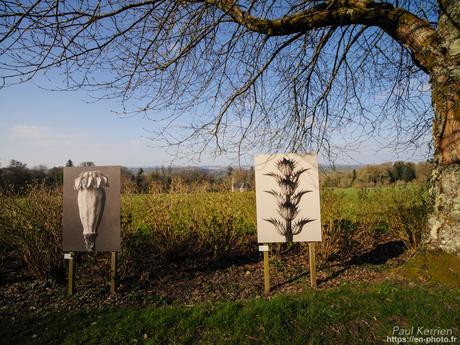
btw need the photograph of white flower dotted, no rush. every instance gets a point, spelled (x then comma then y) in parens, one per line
(91, 208)
(91, 201)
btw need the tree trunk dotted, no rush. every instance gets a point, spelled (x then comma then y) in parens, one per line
(444, 223)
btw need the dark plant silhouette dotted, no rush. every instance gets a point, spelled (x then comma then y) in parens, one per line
(288, 199)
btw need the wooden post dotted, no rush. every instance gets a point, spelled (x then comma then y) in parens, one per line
(311, 254)
(113, 273)
(71, 277)
(266, 272)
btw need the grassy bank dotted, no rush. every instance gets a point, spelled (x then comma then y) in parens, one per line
(350, 314)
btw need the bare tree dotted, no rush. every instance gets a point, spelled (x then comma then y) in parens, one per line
(279, 74)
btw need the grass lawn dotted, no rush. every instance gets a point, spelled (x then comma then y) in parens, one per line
(350, 314)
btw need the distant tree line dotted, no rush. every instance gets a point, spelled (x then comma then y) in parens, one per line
(377, 175)
(194, 179)
(17, 176)
(184, 180)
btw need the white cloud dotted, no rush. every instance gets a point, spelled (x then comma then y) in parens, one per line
(142, 141)
(30, 132)
(43, 136)
(42, 144)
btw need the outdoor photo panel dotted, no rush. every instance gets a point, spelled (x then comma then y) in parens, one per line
(91, 208)
(287, 198)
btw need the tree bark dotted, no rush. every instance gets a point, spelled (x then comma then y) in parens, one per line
(444, 222)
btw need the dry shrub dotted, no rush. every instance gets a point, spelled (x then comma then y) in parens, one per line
(223, 234)
(370, 216)
(408, 210)
(31, 224)
(155, 187)
(216, 224)
(131, 243)
(193, 224)
(335, 228)
(225, 223)
(178, 185)
(169, 224)
(355, 220)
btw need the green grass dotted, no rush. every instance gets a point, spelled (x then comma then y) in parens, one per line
(354, 197)
(350, 314)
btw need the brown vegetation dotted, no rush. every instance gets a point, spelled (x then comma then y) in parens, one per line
(218, 226)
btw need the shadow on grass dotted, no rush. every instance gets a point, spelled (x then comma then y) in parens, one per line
(378, 256)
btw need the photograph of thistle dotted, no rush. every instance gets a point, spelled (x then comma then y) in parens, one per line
(287, 198)
(91, 220)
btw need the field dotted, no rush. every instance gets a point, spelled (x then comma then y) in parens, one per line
(190, 271)
(219, 223)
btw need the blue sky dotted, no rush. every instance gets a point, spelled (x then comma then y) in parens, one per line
(44, 127)
(39, 126)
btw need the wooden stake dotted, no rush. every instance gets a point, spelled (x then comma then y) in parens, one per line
(113, 273)
(266, 273)
(71, 278)
(311, 254)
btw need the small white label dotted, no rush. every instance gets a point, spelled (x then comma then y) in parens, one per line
(263, 248)
(68, 256)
